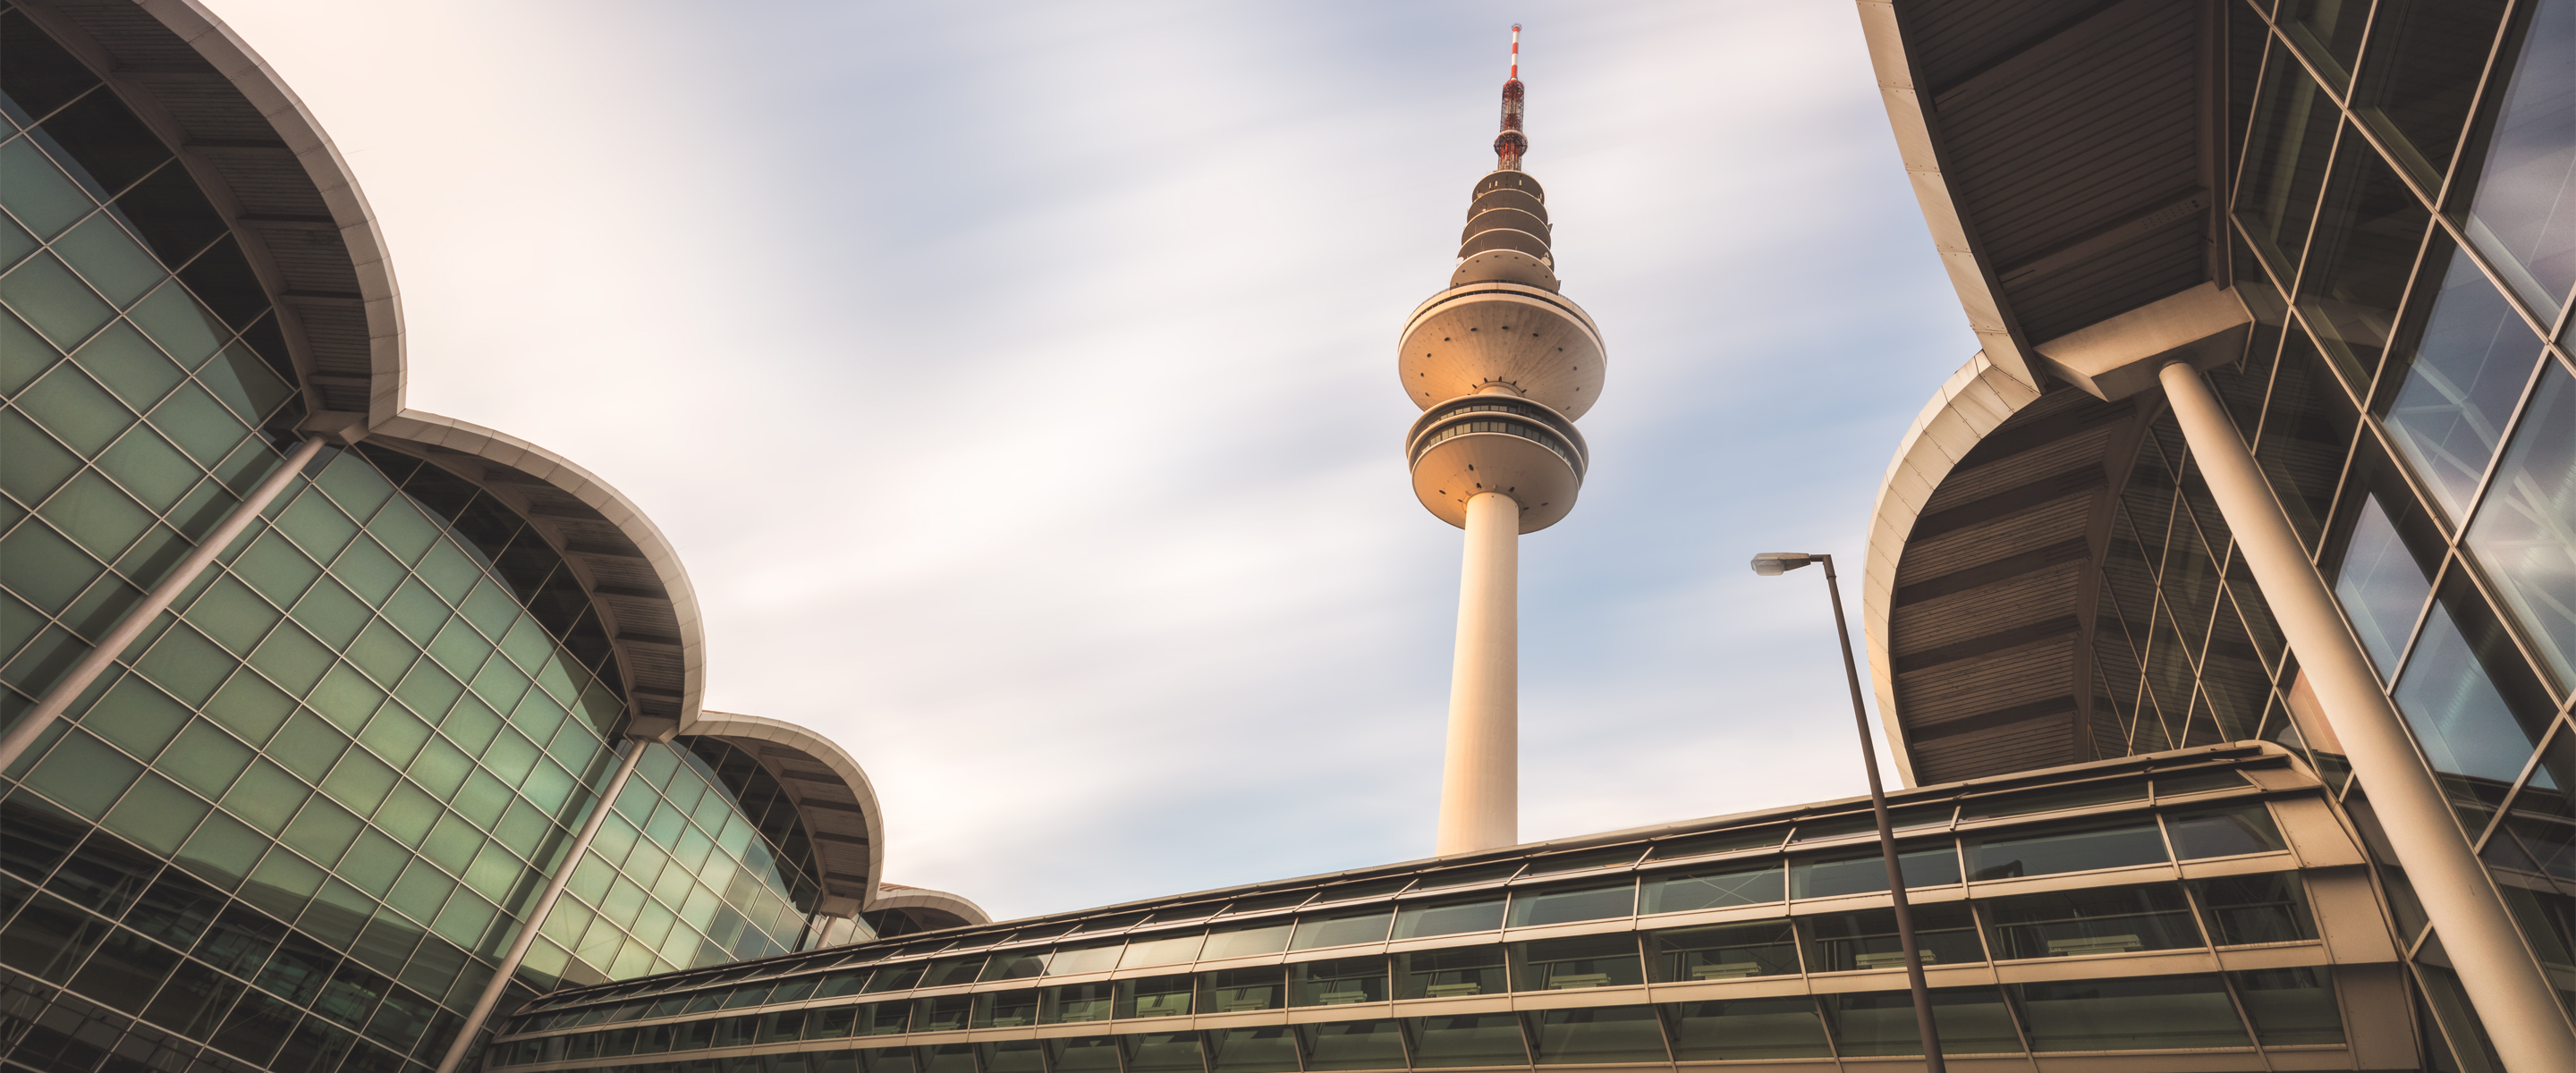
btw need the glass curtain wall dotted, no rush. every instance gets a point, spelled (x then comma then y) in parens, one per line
(2405, 209)
(296, 823)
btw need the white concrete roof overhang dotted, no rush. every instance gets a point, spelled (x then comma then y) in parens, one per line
(308, 232)
(2067, 168)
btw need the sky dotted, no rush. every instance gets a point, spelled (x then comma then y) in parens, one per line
(1017, 383)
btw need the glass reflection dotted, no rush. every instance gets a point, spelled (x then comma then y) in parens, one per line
(2521, 214)
(2285, 162)
(2381, 588)
(2468, 370)
(2358, 263)
(2525, 532)
(2451, 695)
(2421, 74)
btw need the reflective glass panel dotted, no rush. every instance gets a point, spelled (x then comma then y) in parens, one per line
(1013, 1056)
(1599, 1034)
(2466, 369)
(1492, 1039)
(2265, 907)
(1245, 941)
(2079, 846)
(1564, 905)
(1156, 996)
(1353, 1045)
(2420, 74)
(2381, 586)
(2520, 212)
(1337, 982)
(2290, 1007)
(1242, 990)
(1342, 929)
(1970, 1020)
(1083, 1054)
(2104, 920)
(1473, 970)
(1253, 1050)
(1579, 962)
(1725, 951)
(2223, 831)
(1751, 1028)
(1864, 871)
(1006, 1009)
(1067, 1003)
(2358, 263)
(1742, 883)
(1161, 1052)
(2525, 533)
(2462, 701)
(1452, 916)
(1946, 933)
(2139, 1013)
(2285, 163)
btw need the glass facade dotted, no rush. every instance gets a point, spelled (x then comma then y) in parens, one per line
(2406, 234)
(297, 823)
(1651, 950)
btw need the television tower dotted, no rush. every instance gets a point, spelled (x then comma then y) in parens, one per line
(1501, 365)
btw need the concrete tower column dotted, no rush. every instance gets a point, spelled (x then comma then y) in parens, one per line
(2514, 1000)
(1480, 781)
(1501, 365)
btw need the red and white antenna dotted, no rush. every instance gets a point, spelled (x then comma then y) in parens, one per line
(1511, 144)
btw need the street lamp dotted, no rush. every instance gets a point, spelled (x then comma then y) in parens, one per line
(1774, 564)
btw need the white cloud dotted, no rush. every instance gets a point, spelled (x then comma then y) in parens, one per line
(1015, 382)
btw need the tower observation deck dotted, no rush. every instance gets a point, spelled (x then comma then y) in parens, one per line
(1501, 365)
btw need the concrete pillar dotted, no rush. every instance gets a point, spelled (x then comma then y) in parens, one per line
(633, 750)
(1480, 780)
(51, 706)
(2513, 999)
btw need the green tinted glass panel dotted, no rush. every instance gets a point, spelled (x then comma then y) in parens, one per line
(76, 409)
(129, 365)
(110, 259)
(46, 293)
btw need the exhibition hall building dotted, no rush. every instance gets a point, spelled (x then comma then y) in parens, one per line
(2219, 614)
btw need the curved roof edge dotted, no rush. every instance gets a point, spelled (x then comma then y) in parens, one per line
(1976, 399)
(954, 911)
(1980, 294)
(833, 798)
(629, 566)
(314, 305)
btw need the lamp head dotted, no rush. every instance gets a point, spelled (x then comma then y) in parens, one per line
(1776, 563)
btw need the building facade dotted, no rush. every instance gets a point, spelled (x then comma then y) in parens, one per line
(2195, 909)
(2221, 611)
(2059, 571)
(302, 818)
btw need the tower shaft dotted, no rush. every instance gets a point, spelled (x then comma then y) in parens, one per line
(1480, 781)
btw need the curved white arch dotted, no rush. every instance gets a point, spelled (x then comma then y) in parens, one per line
(1976, 399)
(832, 796)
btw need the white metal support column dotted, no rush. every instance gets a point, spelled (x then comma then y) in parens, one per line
(2514, 1000)
(1480, 776)
(630, 751)
(52, 705)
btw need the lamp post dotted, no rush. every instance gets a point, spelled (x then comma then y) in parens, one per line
(1773, 564)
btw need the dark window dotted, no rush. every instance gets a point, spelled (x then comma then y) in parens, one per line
(946, 1013)
(1155, 996)
(1450, 916)
(2067, 847)
(1251, 1050)
(2106, 920)
(1492, 1039)
(1725, 951)
(1970, 1020)
(2138, 1013)
(1598, 900)
(1750, 1028)
(1070, 1003)
(1473, 970)
(1239, 990)
(1337, 981)
(2268, 907)
(1342, 929)
(1864, 871)
(1353, 1045)
(1579, 962)
(1599, 1035)
(1006, 1009)
(2224, 831)
(2290, 1007)
(1714, 887)
(1839, 942)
